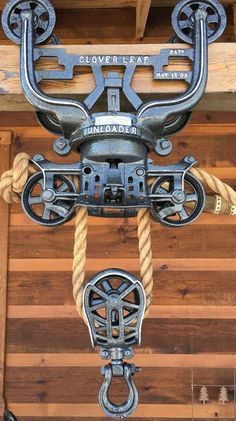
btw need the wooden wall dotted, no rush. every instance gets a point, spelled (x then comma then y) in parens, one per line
(189, 336)
(52, 373)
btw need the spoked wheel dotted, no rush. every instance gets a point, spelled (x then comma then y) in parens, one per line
(176, 123)
(114, 303)
(183, 207)
(9, 416)
(183, 19)
(49, 122)
(44, 19)
(39, 204)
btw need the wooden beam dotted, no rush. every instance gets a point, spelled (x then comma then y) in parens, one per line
(219, 93)
(107, 4)
(234, 18)
(172, 411)
(5, 145)
(175, 264)
(142, 360)
(86, 4)
(142, 11)
(156, 312)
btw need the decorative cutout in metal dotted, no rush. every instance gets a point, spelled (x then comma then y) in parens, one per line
(114, 304)
(115, 175)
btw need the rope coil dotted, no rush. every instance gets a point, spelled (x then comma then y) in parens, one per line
(12, 183)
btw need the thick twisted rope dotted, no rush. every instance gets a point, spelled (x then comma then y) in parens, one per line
(215, 185)
(80, 246)
(145, 254)
(12, 183)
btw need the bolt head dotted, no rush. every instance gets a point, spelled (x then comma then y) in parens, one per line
(140, 172)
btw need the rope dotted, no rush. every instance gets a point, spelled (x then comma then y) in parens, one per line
(145, 254)
(80, 245)
(215, 185)
(12, 183)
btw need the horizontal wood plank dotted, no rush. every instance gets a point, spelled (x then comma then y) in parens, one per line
(156, 312)
(171, 288)
(204, 361)
(178, 336)
(179, 264)
(192, 241)
(219, 90)
(24, 385)
(143, 411)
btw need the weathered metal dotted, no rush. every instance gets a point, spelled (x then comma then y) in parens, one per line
(114, 145)
(114, 305)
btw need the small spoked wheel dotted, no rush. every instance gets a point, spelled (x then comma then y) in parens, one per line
(180, 208)
(49, 122)
(41, 208)
(44, 19)
(176, 123)
(183, 19)
(9, 416)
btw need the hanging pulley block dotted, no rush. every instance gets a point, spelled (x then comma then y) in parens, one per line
(114, 305)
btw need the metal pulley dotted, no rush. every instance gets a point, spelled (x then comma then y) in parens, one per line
(114, 170)
(114, 305)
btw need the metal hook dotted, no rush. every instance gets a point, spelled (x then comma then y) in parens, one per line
(126, 408)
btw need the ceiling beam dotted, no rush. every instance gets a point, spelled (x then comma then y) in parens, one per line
(142, 11)
(219, 94)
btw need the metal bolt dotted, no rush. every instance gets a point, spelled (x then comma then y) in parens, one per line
(61, 143)
(178, 196)
(104, 354)
(128, 353)
(165, 144)
(163, 147)
(140, 172)
(48, 195)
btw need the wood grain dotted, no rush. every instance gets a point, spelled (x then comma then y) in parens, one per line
(220, 88)
(203, 361)
(5, 144)
(171, 288)
(192, 241)
(143, 411)
(178, 336)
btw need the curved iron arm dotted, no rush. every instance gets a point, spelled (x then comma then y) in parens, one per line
(70, 113)
(155, 113)
(126, 408)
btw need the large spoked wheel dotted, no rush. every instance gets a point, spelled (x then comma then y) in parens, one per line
(49, 122)
(168, 212)
(37, 204)
(114, 301)
(176, 123)
(183, 19)
(44, 19)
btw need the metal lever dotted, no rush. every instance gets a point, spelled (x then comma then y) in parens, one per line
(114, 305)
